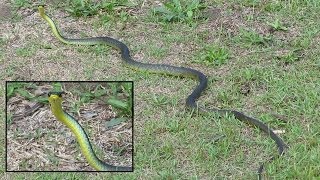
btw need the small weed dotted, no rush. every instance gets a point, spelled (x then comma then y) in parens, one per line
(18, 87)
(23, 163)
(23, 89)
(26, 51)
(79, 8)
(84, 8)
(175, 10)
(113, 5)
(115, 121)
(118, 104)
(123, 16)
(2, 41)
(11, 88)
(57, 86)
(166, 151)
(223, 97)
(114, 89)
(123, 104)
(289, 57)
(86, 96)
(160, 100)
(301, 43)
(250, 38)
(214, 55)
(51, 157)
(21, 3)
(9, 119)
(114, 11)
(250, 3)
(175, 126)
(273, 6)
(277, 26)
(248, 74)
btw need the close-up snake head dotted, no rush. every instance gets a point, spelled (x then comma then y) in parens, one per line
(55, 99)
(41, 10)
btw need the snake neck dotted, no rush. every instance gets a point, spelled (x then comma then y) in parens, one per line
(54, 28)
(58, 113)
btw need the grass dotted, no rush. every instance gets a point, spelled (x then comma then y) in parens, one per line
(21, 3)
(278, 26)
(213, 55)
(182, 11)
(271, 72)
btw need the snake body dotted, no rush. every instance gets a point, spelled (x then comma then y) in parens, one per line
(55, 100)
(172, 70)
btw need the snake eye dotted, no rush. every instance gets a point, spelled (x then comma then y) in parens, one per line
(60, 94)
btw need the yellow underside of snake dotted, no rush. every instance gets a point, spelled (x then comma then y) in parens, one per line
(156, 68)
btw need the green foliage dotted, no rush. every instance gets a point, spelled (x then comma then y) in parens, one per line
(122, 16)
(301, 43)
(118, 104)
(214, 55)
(224, 97)
(84, 8)
(273, 6)
(112, 5)
(115, 121)
(124, 103)
(20, 88)
(248, 74)
(249, 38)
(289, 57)
(249, 3)
(114, 11)
(182, 11)
(86, 95)
(23, 89)
(21, 3)
(160, 100)
(12, 88)
(26, 51)
(57, 86)
(278, 26)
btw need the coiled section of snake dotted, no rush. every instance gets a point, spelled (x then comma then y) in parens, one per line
(172, 70)
(55, 100)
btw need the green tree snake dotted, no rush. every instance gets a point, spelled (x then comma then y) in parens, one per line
(55, 101)
(162, 68)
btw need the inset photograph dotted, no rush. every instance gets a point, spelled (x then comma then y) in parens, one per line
(69, 126)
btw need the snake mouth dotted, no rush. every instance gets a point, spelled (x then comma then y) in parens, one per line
(58, 93)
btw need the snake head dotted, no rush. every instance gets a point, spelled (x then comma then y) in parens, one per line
(55, 100)
(57, 93)
(41, 10)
